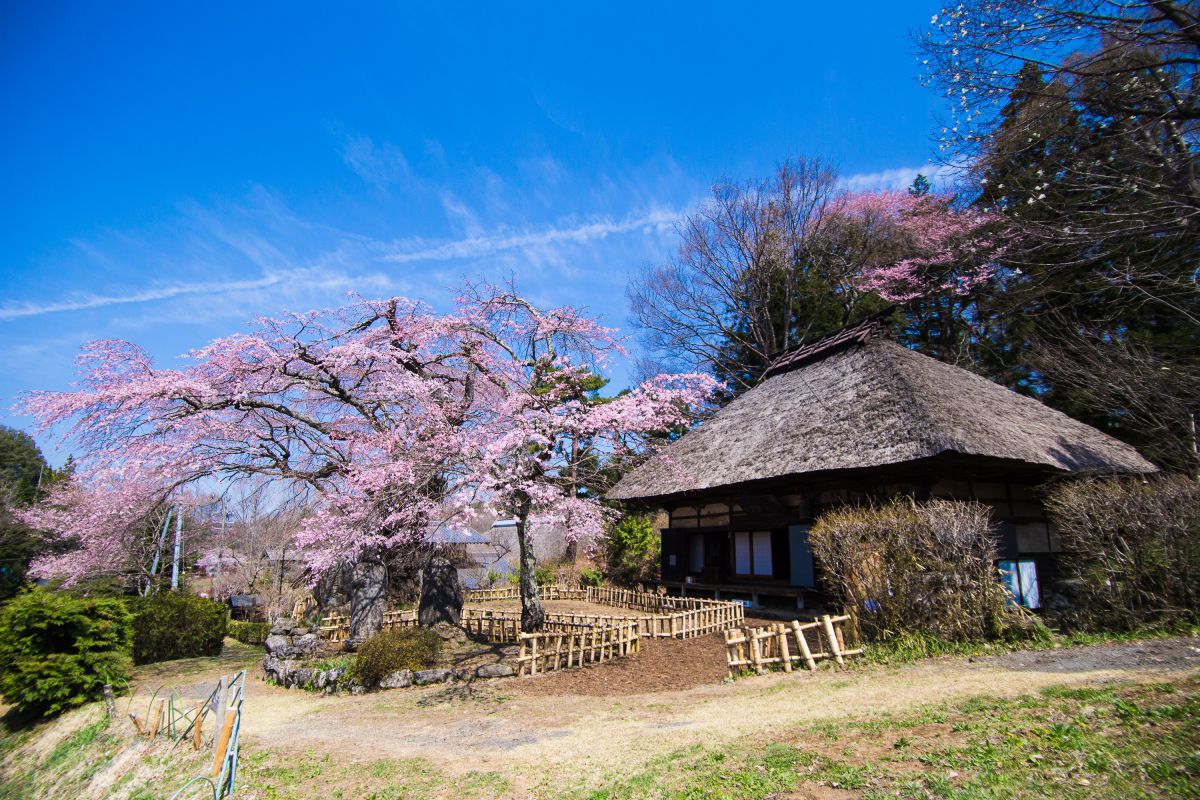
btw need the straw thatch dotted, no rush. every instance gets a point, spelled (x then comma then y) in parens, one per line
(858, 400)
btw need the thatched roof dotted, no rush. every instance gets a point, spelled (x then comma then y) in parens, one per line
(856, 399)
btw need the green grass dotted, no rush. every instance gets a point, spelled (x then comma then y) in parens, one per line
(271, 777)
(1117, 743)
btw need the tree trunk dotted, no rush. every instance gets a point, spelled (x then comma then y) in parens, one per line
(532, 614)
(368, 590)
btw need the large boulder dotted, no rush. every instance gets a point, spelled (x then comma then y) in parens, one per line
(441, 593)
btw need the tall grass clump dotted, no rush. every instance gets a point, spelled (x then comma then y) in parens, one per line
(918, 569)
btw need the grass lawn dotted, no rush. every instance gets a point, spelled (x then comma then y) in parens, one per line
(1110, 742)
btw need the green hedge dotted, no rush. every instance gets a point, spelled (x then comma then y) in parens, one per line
(169, 626)
(249, 632)
(57, 650)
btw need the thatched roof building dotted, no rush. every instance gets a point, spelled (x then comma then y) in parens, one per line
(857, 400)
(857, 415)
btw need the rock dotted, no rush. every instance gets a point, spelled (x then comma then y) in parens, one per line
(464, 674)
(451, 635)
(426, 676)
(308, 644)
(334, 675)
(279, 669)
(358, 688)
(280, 646)
(399, 679)
(303, 677)
(494, 671)
(284, 626)
(510, 651)
(368, 593)
(441, 593)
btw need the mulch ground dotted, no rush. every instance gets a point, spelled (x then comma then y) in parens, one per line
(663, 665)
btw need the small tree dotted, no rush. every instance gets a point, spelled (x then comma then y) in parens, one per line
(529, 464)
(57, 651)
(631, 550)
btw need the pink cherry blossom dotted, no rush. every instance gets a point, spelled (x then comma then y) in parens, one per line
(391, 416)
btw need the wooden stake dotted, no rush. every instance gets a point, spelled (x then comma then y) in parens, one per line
(833, 639)
(197, 724)
(802, 643)
(158, 713)
(784, 653)
(223, 743)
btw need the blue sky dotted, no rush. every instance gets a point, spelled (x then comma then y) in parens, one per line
(170, 170)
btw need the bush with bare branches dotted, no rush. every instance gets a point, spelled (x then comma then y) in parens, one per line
(910, 567)
(1133, 549)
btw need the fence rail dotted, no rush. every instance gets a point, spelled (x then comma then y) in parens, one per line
(672, 617)
(551, 592)
(784, 642)
(575, 646)
(502, 626)
(336, 627)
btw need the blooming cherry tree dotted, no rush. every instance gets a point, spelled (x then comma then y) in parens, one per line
(392, 416)
(903, 246)
(531, 452)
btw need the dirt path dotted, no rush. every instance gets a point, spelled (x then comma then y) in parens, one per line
(561, 725)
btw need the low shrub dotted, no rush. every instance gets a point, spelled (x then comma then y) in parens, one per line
(1131, 550)
(395, 649)
(911, 567)
(169, 626)
(248, 632)
(590, 577)
(57, 650)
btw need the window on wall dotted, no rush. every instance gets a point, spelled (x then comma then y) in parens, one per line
(1020, 578)
(752, 553)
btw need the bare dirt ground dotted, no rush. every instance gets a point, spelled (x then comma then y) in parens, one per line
(594, 721)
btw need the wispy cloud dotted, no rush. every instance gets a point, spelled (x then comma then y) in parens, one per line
(377, 164)
(482, 246)
(290, 279)
(898, 178)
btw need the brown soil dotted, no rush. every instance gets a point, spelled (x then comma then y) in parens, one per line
(662, 665)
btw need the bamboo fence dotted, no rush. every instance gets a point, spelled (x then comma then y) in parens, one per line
(504, 626)
(784, 642)
(672, 617)
(574, 646)
(551, 592)
(336, 627)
